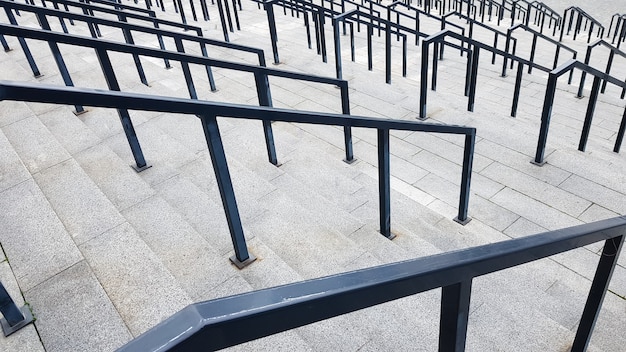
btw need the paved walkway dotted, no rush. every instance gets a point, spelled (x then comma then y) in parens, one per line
(102, 253)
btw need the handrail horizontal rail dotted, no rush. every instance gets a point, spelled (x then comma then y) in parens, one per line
(228, 321)
(581, 15)
(129, 14)
(604, 43)
(441, 35)
(134, 27)
(158, 53)
(542, 36)
(421, 13)
(43, 93)
(586, 15)
(473, 21)
(116, 5)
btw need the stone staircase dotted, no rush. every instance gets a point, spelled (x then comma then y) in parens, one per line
(102, 253)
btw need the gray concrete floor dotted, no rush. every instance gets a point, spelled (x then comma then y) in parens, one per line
(102, 253)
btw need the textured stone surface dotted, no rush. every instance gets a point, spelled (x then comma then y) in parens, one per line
(139, 285)
(314, 215)
(35, 145)
(80, 205)
(33, 237)
(93, 325)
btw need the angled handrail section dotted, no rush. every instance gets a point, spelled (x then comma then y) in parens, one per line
(541, 12)
(228, 321)
(473, 49)
(580, 15)
(609, 64)
(129, 28)
(537, 35)
(371, 22)
(208, 113)
(473, 22)
(548, 103)
(619, 32)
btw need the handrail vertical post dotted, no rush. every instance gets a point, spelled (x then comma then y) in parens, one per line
(127, 124)
(468, 72)
(220, 10)
(220, 166)
(209, 72)
(307, 26)
(322, 34)
(546, 113)
(532, 53)
(58, 58)
(347, 131)
(424, 80)
(265, 99)
(433, 77)
(518, 86)
(384, 183)
(404, 54)
(183, 18)
(591, 106)
(507, 45)
(455, 303)
(388, 53)
(466, 178)
(271, 22)
(128, 38)
(583, 74)
(338, 68)
(620, 133)
(473, 79)
(24, 45)
(4, 43)
(352, 52)
(370, 33)
(186, 71)
(599, 286)
(609, 63)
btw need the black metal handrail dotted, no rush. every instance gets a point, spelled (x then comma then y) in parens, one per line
(473, 49)
(517, 10)
(118, 5)
(226, 19)
(537, 35)
(487, 6)
(318, 13)
(580, 16)
(620, 32)
(103, 9)
(371, 22)
(209, 111)
(541, 12)
(261, 76)
(548, 103)
(419, 13)
(472, 22)
(229, 321)
(609, 64)
(129, 28)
